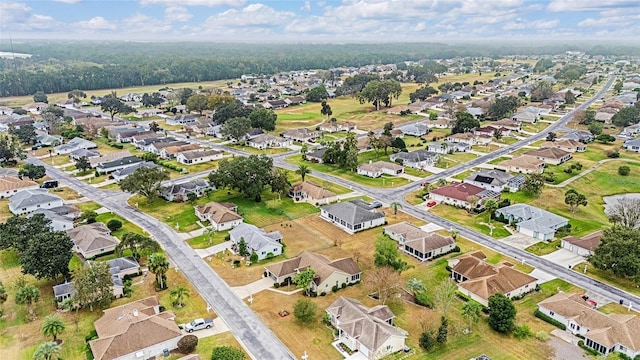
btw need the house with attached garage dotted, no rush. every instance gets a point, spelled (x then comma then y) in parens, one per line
(470, 138)
(446, 147)
(632, 145)
(510, 124)
(122, 174)
(369, 331)
(10, 185)
(316, 156)
(265, 141)
(170, 152)
(186, 119)
(62, 217)
(579, 135)
(119, 164)
(97, 160)
(30, 200)
(414, 129)
(301, 135)
(376, 169)
(583, 246)
(459, 194)
(310, 192)
(567, 145)
(352, 216)
(91, 240)
(605, 333)
(631, 130)
(419, 159)
(532, 221)
(198, 156)
(328, 273)
(524, 164)
(83, 153)
(479, 279)
(260, 242)
(418, 243)
(138, 330)
(180, 191)
(74, 144)
(528, 115)
(332, 127)
(550, 156)
(495, 180)
(221, 216)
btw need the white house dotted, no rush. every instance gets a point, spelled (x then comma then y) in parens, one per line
(30, 200)
(418, 243)
(74, 144)
(221, 216)
(419, 159)
(495, 180)
(376, 169)
(532, 221)
(352, 216)
(11, 185)
(632, 145)
(198, 156)
(264, 141)
(258, 241)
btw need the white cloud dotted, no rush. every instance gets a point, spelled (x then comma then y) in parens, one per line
(41, 22)
(140, 23)
(589, 5)
(545, 24)
(607, 21)
(306, 7)
(96, 23)
(14, 12)
(254, 15)
(521, 24)
(177, 13)
(209, 3)
(68, 1)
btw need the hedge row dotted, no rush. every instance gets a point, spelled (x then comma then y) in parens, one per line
(542, 316)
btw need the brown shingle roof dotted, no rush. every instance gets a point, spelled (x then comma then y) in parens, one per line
(313, 190)
(589, 242)
(219, 212)
(548, 153)
(406, 230)
(14, 183)
(321, 265)
(430, 242)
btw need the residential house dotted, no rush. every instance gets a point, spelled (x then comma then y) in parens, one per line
(328, 273)
(199, 156)
(480, 280)
(579, 135)
(181, 191)
(136, 330)
(119, 164)
(551, 156)
(301, 135)
(376, 169)
(185, 119)
(418, 243)
(221, 216)
(352, 216)
(156, 147)
(414, 129)
(632, 145)
(316, 155)
(396, 133)
(459, 194)
(631, 130)
(91, 240)
(275, 104)
(583, 246)
(602, 332)
(446, 147)
(10, 185)
(310, 192)
(532, 221)
(369, 331)
(123, 266)
(265, 141)
(567, 145)
(440, 123)
(510, 124)
(74, 144)
(170, 152)
(141, 138)
(48, 140)
(122, 174)
(265, 245)
(295, 100)
(126, 134)
(63, 291)
(8, 172)
(470, 138)
(35, 108)
(495, 180)
(95, 161)
(524, 164)
(419, 159)
(30, 200)
(83, 153)
(489, 131)
(604, 117)
(61, 218)
(332, 127)
(529, 115)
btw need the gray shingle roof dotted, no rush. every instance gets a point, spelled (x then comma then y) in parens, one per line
(415, 156)
(255, 237)
(533, 218)
(29, 197)
(353, 212)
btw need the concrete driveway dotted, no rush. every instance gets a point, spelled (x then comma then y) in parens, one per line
(542, 276)
(253, 288)
(431, 227)
(519, 241)
(218, 327)
(564, 258)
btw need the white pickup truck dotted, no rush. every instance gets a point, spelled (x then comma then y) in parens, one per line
(199, 324)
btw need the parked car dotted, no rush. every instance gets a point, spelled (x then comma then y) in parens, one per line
(376, 204)
(199, 324)
(431, 203)
(49, 184)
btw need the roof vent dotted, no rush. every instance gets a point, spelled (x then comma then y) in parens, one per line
(135, 312)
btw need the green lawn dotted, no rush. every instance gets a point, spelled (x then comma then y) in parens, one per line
(535, 128)
(417, 172)
(544, 248)
(127, 226)
(462, 217)
(498, 160)
(459, 158)
(252, 150)
(204, 241)
(383, 181)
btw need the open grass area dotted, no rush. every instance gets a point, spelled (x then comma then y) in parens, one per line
(498, 160)
(205, 240)
(4, 210)
(252, 150)
(415, 197)
(459, 158)
(543, 247)
(383, 181)
(609, 278)
(475, 222)
(127, 226)
(486, 148)
(463, 175)
(535, 128)
(437, 134)
(65, 193)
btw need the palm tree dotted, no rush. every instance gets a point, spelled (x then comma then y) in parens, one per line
(70, 305)
(52, 326)
(471, 311)
(303, 150)
(490, 206)
(211, 231)
(27, 295)
(303, 170)
(415, 285)
(395, 206)
(158, 265)
(47, 351)
(454, 233)
(178, 294)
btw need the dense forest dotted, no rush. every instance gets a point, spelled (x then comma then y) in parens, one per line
(64, 66)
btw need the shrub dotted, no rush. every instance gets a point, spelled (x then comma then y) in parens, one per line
(427, 340)
(116, 145)
(334, 288)
(114, 225)
(542, 316)
(92, 336)
(624, 170)
(326, 319)
(456, 249)
(522, 332)
(422, 298)
(187, 344)
(323, 293)
(304, 310)
(542, 335)
(270, 255)
(227, 353)
(276, 285)
(253, 257)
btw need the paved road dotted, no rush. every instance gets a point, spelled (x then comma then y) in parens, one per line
(251, 332)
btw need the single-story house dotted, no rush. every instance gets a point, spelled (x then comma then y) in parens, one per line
(136, 330)
(631, 130)
(258, 241)
(532, 221)
(419, 159)
(332, 127)
(579, 135)
(221, 216)
(315, 156)
(170, 152)
(95, 161)
(10, 185)
(632, 145)
(311, 192)
(510, 124)
(524, 164)
(446, 147)
(370, 331)
(479, 279)
(122, 174)
(48, 140)
(180, 191)
(186, 119)
(265, 141)
(376, 169)
(529, 115)
(414, 129)
(301, 135)
(458, 194)
(156, 147)
(91, 240)
(62, 218)
(551, 156)
(567, 145)
(275, 104)
(119, 164)
(74, 144)
(582, 245)
(604, 117)
(418, 243)
(352, 216)
(83, 153)
(441, 123)
(30, 200)
(198, 156)
(8, 172)
(328, 272)
(602, 332)
(495, 180)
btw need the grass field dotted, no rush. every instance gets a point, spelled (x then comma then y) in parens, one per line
(544, 248)
(475, 222)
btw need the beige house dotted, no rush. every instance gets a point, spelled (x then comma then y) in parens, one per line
(198, 156)
(479, 279)
(311, 192)
(550, 156)
(370, 331)
(567, 145)
(332, 127)
(92, 240)
(376, 169)
(584, 245)
(524, 164)
(137, 330)
(221, 216)
(329, 273)
(10, 185)
(418, 243)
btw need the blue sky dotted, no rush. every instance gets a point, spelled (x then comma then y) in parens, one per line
(320, 21)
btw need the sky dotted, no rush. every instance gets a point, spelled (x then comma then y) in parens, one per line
(320, 21)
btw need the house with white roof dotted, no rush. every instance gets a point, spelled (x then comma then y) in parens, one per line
(74, 144)
(352, 216)
(30, 200)
(258, 241)
(532, 221)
